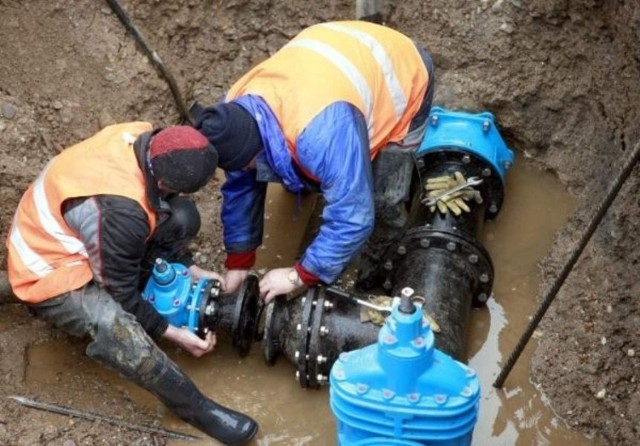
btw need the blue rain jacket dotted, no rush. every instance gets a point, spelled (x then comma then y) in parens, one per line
(334, 148)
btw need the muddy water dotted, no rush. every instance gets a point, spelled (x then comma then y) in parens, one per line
(535, 208)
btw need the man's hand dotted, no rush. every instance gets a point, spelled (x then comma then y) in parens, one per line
(198, 273)
(279, 281)
(190, 342)
(234, 278)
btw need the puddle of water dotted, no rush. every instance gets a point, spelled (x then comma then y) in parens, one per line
(535, 207)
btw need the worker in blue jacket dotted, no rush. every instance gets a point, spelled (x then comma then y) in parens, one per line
(337, 110)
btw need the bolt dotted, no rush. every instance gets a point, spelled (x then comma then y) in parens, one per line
(486, 125)
(388, 394)
(388, 265)
(473, 258)
(467, 392)
(298, 327)
(466, 159)
(402, 250)
(493, 208)
(506, 165)
(361, 388)
(387, 284)
(420, 163)
(324, 331)
(297, 375)
(425, 243)
(440, 399)
(322, 379)
(486, 172)
(407, 292)
(434, 120)
(390, 339)
(321, 359)
(451, 246)
(296, 355)
(176, 303)
(482, 297)
(209, 310)
(303, 300)
(328, 305)
(484, 277)
(413, 397)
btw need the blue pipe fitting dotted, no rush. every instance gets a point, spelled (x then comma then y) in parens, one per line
(473, 133)
(403, 391)
(171, 292)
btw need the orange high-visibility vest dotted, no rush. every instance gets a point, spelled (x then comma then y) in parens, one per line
(375, 68)
(45, 257)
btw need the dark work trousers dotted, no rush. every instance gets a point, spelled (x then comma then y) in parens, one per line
(118, 341)
(392, 171)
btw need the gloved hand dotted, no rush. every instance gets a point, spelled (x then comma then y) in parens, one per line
(456, 202)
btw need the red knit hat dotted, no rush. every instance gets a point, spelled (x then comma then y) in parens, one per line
(182, 158)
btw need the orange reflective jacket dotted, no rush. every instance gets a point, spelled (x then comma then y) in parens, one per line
(375, 68)
(45, 257)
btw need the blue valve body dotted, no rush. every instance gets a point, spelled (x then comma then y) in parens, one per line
(475, 133)
(403, 391)
(171, 291)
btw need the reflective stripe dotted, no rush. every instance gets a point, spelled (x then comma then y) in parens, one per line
(70, 243)
(347, 68)
(128, 138)
(36, 264)
(386, 65)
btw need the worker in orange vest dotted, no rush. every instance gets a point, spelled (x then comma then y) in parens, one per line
(339, 110)
(82, 244)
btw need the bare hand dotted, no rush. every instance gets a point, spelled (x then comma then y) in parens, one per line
(234, 278)
(277, 282)
(189, 341)
(198, 273)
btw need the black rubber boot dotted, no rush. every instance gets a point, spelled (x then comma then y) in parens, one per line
(120, 343)
(183, 398)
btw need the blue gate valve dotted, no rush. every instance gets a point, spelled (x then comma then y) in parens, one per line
(403, 391)
(199, 305)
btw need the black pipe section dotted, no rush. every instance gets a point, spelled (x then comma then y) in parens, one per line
(312, 331)
(439, 258)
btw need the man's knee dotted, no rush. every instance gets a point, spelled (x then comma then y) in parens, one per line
(119, 339)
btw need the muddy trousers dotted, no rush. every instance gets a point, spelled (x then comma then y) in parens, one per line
(119, 342)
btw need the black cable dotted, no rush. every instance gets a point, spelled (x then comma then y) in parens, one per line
(153, 57)
(568, 266)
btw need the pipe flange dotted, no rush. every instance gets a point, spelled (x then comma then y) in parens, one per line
(245, 315)
(270, 343)
(318, 332)
(304, 328)
(470, 251)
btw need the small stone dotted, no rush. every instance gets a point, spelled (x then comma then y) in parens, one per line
(601, 394)
(57, 105)
(506, 28)
(631, 352)
(8, 110)
(69, 443)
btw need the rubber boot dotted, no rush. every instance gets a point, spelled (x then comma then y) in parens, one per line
(183, 398)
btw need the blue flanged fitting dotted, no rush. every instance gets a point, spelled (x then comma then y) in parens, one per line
(403, 391)
(473, 133)
(171, 292)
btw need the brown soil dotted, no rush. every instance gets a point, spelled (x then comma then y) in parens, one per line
(560, 76)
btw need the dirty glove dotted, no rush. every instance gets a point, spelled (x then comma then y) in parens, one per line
(455, 202)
